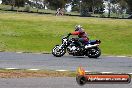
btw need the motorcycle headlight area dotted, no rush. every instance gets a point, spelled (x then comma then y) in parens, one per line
(64, 41)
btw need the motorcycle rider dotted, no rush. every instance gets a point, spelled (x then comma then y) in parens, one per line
(81, 34)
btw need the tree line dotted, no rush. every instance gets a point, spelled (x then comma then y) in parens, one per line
(83, 6)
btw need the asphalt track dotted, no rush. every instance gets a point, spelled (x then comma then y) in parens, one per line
(47, 61)
(53, 83)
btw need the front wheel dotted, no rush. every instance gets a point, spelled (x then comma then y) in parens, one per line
(56, 51)
(94, 52)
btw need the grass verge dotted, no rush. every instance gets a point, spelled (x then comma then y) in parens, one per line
(29, 74)
(40, 73)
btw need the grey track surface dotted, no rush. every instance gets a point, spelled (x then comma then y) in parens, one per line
(53, 83)
(47, 61)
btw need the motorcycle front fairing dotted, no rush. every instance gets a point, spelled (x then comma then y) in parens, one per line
(76, 48)
(92, 42)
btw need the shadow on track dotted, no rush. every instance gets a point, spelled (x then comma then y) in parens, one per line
(78, 57)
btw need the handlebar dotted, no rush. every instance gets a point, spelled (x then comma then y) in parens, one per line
(68, 36)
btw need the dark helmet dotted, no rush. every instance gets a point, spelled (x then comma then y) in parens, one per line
(77, 27)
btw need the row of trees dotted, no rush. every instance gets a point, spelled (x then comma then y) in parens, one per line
(17, 3)
(83, 6)
(129, 3)
(77, 5)
(92, 5)
(119, 7)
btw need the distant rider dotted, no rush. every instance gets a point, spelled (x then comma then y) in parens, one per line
(81, 34)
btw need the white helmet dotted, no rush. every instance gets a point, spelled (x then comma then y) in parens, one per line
(77, 27)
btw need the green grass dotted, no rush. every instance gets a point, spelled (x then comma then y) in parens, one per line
(39, 33)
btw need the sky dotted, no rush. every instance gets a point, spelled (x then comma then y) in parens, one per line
(0, 1)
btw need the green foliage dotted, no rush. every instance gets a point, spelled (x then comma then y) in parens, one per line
(17, 3)
(27, 8)
(91, 6)
(123, 3)
(75, 8)
(55, 4)
(75, 5)
(20, 3)
(129, 2)
(92, 3)
(87, 5)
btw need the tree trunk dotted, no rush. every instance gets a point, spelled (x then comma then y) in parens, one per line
(37, 10)
(17, 9)
(93, 6)
(109, 10)
(109, 13)
(93, 9)
(12, 7)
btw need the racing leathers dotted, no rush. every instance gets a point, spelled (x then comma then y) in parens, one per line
(82, 35)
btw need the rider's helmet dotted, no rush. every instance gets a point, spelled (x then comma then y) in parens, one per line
(78, 27)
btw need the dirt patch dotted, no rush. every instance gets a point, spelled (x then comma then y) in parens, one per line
(28, 74)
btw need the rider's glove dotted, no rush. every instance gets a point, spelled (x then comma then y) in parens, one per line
(69, 34)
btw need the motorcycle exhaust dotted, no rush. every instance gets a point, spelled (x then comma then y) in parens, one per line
(90, 46)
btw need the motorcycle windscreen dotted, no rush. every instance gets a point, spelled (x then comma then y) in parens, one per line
(92, 42)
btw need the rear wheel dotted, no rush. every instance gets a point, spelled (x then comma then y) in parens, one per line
(56, 51)
(94, 52)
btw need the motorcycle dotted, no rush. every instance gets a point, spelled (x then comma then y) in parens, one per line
(76, 48)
